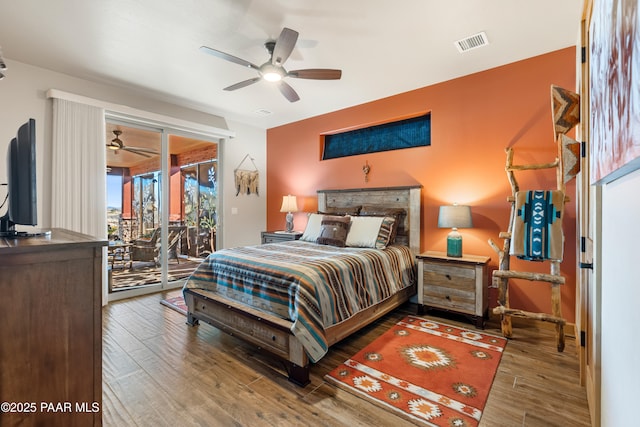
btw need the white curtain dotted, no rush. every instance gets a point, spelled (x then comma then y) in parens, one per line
(78, 199)
(79, 176)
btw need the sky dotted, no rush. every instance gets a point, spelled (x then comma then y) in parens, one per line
(114, 191)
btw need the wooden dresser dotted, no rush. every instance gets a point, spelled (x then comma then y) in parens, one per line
(457, 284)
(51, 330)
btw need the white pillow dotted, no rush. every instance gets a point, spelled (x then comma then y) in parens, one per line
(313, 229)
(364, 231)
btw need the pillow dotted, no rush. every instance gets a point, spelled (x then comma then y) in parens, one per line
(396, 213)
(370, 232)
(333, 230)
(387, 233)
(312, 230)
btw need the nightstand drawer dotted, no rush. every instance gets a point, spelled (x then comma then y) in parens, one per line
(277, 237)
(450, 287)
(451, 298)
(453, 284)
(445, 275)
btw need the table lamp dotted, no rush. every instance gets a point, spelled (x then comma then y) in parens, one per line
(454, 217)
(289, 205)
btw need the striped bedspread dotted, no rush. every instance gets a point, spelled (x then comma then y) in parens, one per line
(314, 286)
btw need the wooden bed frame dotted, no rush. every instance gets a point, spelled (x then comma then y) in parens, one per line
(272, 333)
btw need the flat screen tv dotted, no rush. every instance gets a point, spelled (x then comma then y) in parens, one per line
(21, 199)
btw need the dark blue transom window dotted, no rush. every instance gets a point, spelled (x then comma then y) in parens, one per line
(407, 133)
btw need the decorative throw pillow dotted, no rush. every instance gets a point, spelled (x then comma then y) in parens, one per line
(398, 214)
(386, 234)
(333, 230)
(370, 232)
(312, 230)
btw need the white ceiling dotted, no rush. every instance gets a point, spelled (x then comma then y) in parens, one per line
(384, 47)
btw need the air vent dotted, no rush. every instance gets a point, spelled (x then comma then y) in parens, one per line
(262, 112)
(472, 42)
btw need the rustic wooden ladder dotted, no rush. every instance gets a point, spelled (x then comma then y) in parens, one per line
(504, 273)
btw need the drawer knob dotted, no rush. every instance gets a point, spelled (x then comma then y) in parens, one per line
(448, 276)
(448, 298)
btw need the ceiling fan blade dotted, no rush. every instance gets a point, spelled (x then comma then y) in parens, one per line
(288, 91)
(316, 74)
(135, 151)
(284, 46)
(228, 57)
(142, 149)
(243, 84)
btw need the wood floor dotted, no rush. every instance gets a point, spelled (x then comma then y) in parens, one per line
(157, 371)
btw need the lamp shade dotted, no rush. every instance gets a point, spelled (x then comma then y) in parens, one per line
(289, 204)
(455, 216)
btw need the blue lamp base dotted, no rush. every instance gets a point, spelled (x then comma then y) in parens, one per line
(454, 244)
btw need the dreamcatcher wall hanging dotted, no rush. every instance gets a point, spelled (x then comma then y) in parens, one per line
(246, 181)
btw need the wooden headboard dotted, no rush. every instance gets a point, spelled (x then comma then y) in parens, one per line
(405, 198)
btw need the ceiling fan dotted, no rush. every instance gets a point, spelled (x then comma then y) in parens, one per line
(273, 70)
(116, 144)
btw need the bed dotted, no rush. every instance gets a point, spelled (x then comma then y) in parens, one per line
(295, 299)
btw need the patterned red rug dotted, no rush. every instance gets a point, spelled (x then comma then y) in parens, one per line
(175, 303)
(427, 372)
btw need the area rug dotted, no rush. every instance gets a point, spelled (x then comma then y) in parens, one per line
(175, 303)
(427, 372)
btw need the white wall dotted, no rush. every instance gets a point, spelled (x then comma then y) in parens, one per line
(620, 264)
(22, 96)
(244, 216)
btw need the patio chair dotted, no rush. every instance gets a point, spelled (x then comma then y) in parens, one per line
(148, 250)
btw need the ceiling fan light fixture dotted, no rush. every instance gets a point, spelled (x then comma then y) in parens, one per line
(272, 77)
(113, 147)
(271, 73)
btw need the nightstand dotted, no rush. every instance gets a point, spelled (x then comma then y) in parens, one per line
(279, 236)
(456, 284)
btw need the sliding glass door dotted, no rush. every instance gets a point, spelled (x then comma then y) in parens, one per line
(200, 198)
(166, 221)
(146, 202)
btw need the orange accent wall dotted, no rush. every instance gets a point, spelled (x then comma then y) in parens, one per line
(473, 119)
